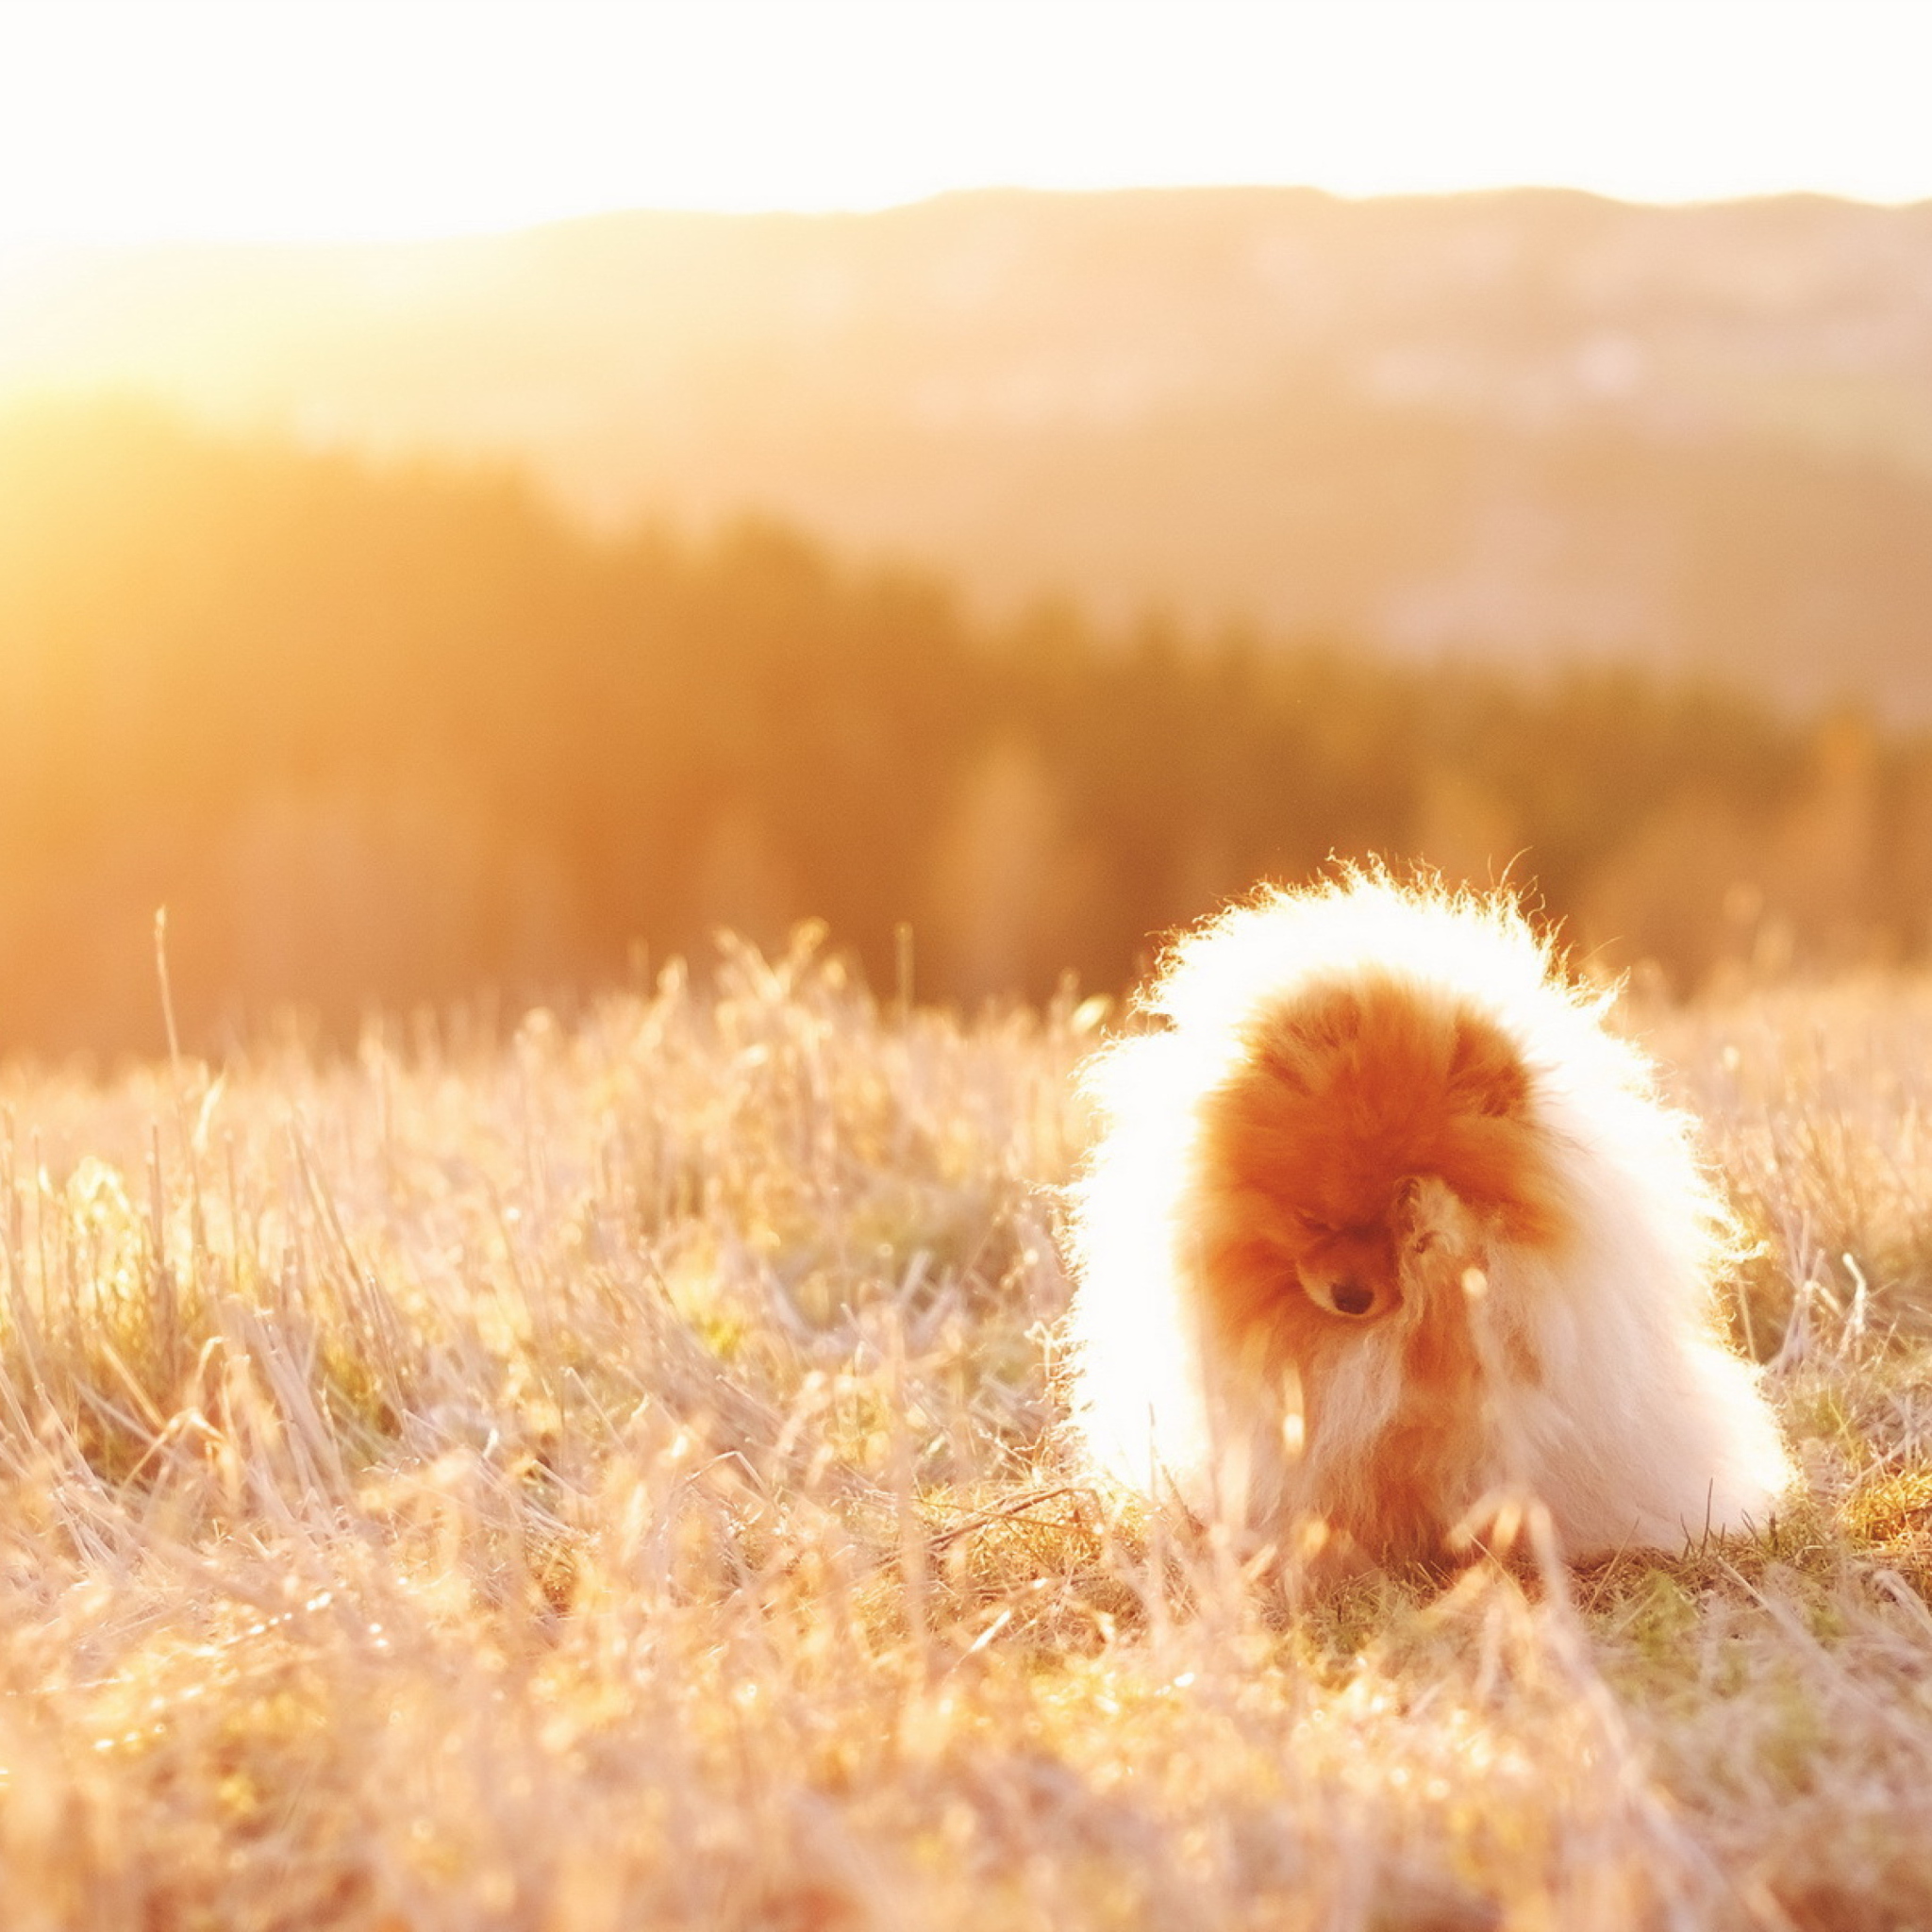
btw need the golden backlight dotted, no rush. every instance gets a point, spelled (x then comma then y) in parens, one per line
(396, 621)
(623, 630)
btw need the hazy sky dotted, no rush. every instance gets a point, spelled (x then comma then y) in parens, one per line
(131, 120)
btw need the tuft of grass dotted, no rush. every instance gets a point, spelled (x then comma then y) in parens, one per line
(610, 1476)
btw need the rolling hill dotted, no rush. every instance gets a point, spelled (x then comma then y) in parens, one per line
(1528, 425)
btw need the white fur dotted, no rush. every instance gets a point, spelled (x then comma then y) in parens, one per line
(1643, 1430)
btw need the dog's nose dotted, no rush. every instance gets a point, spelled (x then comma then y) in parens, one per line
(1352, 1298)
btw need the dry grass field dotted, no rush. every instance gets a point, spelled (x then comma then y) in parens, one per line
(602, 1473)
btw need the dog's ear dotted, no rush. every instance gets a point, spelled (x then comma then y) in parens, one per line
(1485, 1073)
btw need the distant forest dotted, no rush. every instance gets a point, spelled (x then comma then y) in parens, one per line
(389, 737)
(1516, 425)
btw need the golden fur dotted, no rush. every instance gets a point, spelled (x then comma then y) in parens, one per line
(1384, 1229)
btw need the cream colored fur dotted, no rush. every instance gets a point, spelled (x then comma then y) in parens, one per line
(1639, 1428)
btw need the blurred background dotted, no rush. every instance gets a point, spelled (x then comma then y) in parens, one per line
(490, 495)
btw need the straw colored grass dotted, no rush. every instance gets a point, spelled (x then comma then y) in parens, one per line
(606, 1477)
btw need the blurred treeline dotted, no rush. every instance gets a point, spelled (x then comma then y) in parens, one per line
(393, 737)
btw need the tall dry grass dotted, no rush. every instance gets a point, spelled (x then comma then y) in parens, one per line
(605, 1476)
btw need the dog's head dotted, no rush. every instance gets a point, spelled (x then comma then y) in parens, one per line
(1376, 1139)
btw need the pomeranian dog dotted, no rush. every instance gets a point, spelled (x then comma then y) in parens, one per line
(1385, 1232)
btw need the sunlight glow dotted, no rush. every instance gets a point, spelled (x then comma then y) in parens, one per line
(194, 119)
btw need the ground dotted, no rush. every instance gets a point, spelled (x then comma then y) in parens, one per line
(602, 1474)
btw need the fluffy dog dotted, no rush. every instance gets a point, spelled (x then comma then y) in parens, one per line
(1384, 1229)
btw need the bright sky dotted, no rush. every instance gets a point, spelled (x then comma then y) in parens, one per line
(140, 120)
